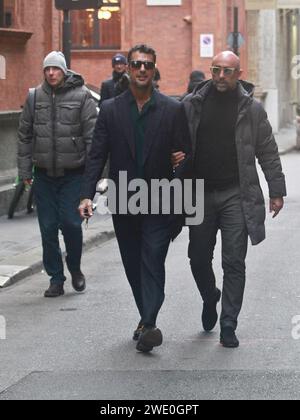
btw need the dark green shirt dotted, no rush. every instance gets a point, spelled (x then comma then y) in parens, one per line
(140, 120)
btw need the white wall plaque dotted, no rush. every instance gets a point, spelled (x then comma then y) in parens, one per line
(2, 67)
(207, 45)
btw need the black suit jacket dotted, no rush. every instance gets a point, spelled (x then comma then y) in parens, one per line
(167, 131)
(107, 90)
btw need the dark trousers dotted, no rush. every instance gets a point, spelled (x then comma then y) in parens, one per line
(223, 210)
(57, 201)
(144, 242)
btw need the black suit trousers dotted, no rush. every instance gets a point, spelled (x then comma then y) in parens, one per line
(144, 242)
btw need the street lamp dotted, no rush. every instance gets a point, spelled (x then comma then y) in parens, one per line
(236, 31)
(78, 4)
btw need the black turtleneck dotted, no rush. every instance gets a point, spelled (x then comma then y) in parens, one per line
(216, 154)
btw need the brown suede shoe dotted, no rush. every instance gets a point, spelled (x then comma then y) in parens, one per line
(149, 338)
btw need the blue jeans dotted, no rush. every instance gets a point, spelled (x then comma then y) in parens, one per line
(57, 201)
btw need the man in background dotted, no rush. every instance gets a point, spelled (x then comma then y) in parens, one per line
(118, 83)
(55, 137)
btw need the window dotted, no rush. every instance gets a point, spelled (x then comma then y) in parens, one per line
(7, 14)
(97, 29)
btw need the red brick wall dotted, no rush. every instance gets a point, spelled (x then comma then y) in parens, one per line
(94, 66)
(163, 27)
(24, 59)
(177, 42)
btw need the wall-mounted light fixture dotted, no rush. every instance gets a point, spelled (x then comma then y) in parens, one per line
(109, 7)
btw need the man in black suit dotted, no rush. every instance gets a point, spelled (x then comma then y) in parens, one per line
(139, 130)
(118, 83)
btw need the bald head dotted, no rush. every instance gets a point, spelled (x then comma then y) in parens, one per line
(228, 58)
(226, 71)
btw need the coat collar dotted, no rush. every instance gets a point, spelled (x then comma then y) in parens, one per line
(245, 92)
(245, 96)
(155, 113)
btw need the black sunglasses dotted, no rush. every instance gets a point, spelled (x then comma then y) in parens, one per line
(149, 65)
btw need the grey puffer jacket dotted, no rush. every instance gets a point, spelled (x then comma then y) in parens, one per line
(254, 139)
(59, 135)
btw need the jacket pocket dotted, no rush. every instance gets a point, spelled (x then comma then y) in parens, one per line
(42, 114)
(69, 113)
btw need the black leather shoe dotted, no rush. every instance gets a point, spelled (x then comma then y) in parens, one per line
(149, 338)
(210, 314)
(55, 290)
(228, 338)
(78, 281)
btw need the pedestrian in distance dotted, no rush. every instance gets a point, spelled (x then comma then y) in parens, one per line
(229, 130)
(118, 83)
(139, 130)
(196, 77)
(56, 139)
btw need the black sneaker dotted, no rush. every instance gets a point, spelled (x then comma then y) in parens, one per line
(55, 290)
(228, 338)
(210, 314)
(149, 338)
(78, 281)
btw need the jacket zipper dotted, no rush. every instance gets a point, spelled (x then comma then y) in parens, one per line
(53, 133)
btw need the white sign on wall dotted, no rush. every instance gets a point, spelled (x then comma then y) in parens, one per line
(2, 67)
(207, 47)
(288, 4)
(260, 4)
(164, 2)
(272, 4)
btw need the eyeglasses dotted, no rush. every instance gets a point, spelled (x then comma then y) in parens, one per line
(149, 65)
(228, 71)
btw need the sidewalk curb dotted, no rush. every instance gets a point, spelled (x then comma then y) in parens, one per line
(96, 240)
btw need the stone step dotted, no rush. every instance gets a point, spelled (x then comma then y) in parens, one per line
(8, 177)
(6, 194)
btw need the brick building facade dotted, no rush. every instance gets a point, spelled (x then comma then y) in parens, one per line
(31, 28)
(174, 31)
(33, 31)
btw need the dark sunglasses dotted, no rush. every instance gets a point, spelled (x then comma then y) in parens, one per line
(228, 71)
(149, 65)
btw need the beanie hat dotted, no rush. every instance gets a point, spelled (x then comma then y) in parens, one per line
(119, 59)
(55, 59)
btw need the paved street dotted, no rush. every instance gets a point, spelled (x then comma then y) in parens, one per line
(79, 346)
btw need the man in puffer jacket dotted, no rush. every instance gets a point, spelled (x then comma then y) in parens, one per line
(229, 130)
(55, 136)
